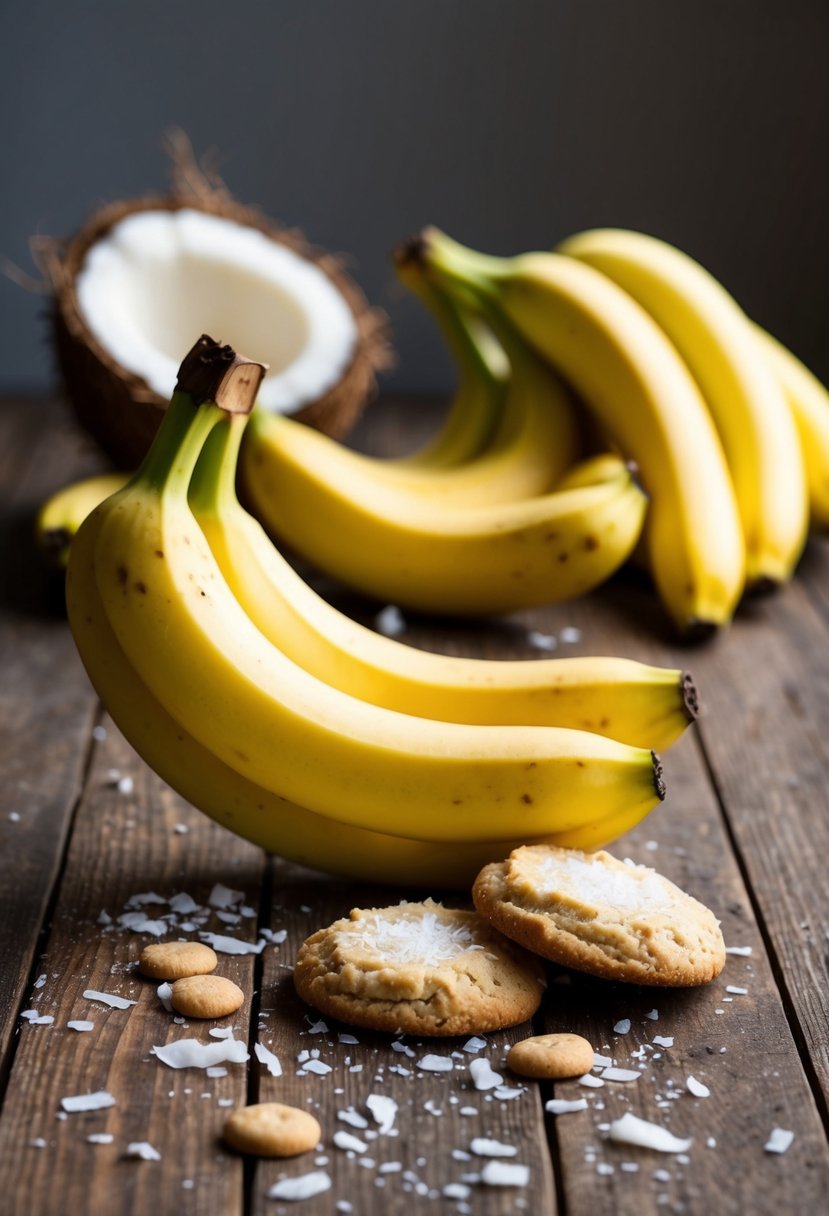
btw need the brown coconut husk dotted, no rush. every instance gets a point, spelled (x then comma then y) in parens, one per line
(118, 408)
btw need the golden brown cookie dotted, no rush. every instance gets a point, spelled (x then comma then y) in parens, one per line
(553, 1056)
(172, 960)
(418, 968)
(206, 996)
(597, 914)
(269, 1129)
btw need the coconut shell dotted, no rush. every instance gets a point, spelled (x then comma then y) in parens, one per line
(119, 409)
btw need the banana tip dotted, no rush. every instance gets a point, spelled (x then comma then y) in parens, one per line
(413, 250)
(658, 779)
(690, 696)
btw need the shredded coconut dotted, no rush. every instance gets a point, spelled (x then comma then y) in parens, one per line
(390, 621)
(483, 1075)
(424, 940)
(620, 1074)
(561, 1106)
(347, 1142)
(352, 1117)
(742, 950)
(231, 945)
(80, 1025)
(100, 1138)
(630, 1129)
(578, 878)
(143, 1150)
(697, 1088)
(108, 998)
(779, 1140)
(265, 1056)
(474, 1044)
(432, 1063)
(383, 1111)
(503, 1173)
(224, 897)
(190, 1053)
(482, 1147)
(97, 1101)
(303, 1187)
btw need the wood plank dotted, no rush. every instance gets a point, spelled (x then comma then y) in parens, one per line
(125, 844)
(418, 1154)
(46, 703)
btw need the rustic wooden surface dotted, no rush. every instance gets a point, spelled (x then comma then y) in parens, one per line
(745, 828)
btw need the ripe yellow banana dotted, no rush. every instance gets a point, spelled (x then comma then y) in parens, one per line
(401, 547)
(715, 339)
(809, 403)
(632, 702)
(200, 655)
(630, 375)
(62, 513)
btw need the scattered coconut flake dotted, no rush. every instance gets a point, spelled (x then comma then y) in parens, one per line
(100, 1138)
(40, 981)
(732, 988)
(542, 641)
(779, 1140)
(317, 1066)
(181, 829)
(403, 1049)
(125, 785)
(432, 1109)
(347, 1142)
(190, 1053)
(104, 917)
(228, 918)
(600, 1061)
(506, 1093)
(482, 1147)
(224, 897)
(108, 998)
(743, 950)
(629, 1167)
(433, 1063)
(184, 904)
(276, 938)
(661, 1176)
(348, 1039)
(620, 1074)
(591, 1082)
(561, 1106)
(319, 1027)
(215, 1070)
(143, 898)
(383, 1111)
(139, 922)
(424, 940)
(142, 1150)
(38, 1142)
(630, 1129)
(456, 1190)
(468, 1111)
(474, 1044)
(483, 1075)
(221, 1032)
(231, 945)
(265, 1056)
(663, 1040)
(697, 1088)
(305, 1186)
(80, 1025)
(99, 1100)
(653, 1014)
(569, 635)
(99, 733)
(503, 1173)
(14, 816)
(352, 1117)
(164, 992)
(390, 621)
(622, 1026)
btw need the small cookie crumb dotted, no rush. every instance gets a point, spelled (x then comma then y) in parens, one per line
(206, 996)
(175, 960)
(552, 1056)
(270, 1129)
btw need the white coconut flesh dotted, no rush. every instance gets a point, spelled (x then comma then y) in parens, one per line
(158, 279)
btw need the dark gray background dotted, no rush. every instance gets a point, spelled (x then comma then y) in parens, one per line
(510, 123)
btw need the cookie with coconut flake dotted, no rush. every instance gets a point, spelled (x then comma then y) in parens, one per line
(597, 914)
(418, 968)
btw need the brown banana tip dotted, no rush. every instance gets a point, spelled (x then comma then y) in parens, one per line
(690, 696)
(211, 371)
(658, 779)
(54, 540)
(699, 631)
(412, 250)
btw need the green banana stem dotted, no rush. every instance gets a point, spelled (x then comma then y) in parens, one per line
(450, 264)
(169, 464)
(213, 485)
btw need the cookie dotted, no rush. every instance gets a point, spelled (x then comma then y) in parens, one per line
(418, 968)
(173, 960)
(206, 996)
(269, 1129)
(597, 914)
(552, 1056)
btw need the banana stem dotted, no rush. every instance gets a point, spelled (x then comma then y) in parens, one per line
(213, 486)
(451, 264)
(169, 464)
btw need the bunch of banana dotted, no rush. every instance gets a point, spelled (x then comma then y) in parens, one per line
(729, 432)
(255, 730)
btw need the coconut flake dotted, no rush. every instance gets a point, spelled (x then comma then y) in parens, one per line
(383, 1111)
(190, 1053)
(348, 1039)
(482, 1147)
(317, 1066)
(164, 992)
(390, 621)
(423, 940)
(697, 1088)
(732, 988)
(506, 1093)
(108, 998)
(265, 1056)
(663, 1040)
(100, 1138)
(349, 1143)
(630, 1129)
(620, 1074)
(231, 945)
(403, 1049)
(305, 1186)
(561, 1106)
(779, 1140)
(216, 1070)
(224, 897)
(353, 1118)
(474, 1045)
(319, 1027)
(590, 1082)
(184, 905)
(433, 1063)
(542, 641)
(142, 1150)
(622, 1026)
(483, 1075)
(80, 1025)
(99, 1100)
(503, 1173)
(276, 938)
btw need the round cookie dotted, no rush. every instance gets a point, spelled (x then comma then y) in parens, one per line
(551, 1056)
(597, 914)
(270, 1129)
(418, 968)
(173, 960)
(206, 996)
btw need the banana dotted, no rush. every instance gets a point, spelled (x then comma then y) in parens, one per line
(808, 401)
(634, 703)
(628, 373)
(748, 406)
(201, 656)
(62, 513)
(467, 560)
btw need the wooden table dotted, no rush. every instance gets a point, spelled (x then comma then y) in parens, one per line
(745, 828)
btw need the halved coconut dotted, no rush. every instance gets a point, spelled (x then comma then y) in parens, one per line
(143, 277)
